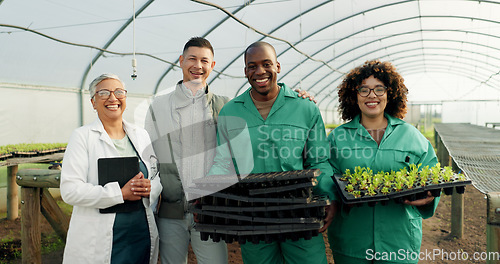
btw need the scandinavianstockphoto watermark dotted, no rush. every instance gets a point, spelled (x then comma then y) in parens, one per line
(431, 255)
(290, 143)
(293, 144)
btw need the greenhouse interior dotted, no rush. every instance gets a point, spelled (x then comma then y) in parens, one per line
(448, 52)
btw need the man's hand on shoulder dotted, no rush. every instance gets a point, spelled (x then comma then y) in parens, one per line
(304, 94)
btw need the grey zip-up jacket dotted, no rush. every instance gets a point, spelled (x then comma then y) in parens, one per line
(190, 123)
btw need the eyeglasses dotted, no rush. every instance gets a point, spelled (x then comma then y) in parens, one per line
(379, 90)
(105, 93)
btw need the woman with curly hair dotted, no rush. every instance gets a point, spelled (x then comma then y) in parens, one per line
(373, 100)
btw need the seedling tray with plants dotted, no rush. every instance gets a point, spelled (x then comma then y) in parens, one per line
(363, 186)
(26, 150)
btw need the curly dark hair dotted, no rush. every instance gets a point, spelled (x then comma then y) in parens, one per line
(386, 73)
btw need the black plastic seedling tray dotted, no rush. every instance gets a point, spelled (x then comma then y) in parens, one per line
(253, 220)
(266, 207)
(303, 197)
(264, 178)
(269, 185)
(255, 234)
(257, 230)
(414, 193)
(281, 189)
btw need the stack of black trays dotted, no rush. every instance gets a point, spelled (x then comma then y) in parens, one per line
(260, 207)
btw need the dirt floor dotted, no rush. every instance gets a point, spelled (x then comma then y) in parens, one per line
(437, 243)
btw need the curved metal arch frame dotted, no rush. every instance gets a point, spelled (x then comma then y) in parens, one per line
(99, 54)
(444, 66)
(465, 72)
(363, 30)
(440, 54)
(430, 62)
(271, 32)
(447, 55)
(158, 83)
(343, 19)
(424, 54)
(379, 25)
(348, 62)
(427, 66)
(112, 39)
(336, 79)
(395, 62)
(419, 40)
(438, 68)
(326, 27)
(401, 68)
(359, 13)
(462, 72)
(319, 92)
(443, 69)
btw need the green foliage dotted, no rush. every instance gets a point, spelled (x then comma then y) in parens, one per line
(51, 243)
(331, 126)
(364, 182)
(378, 179)
(356, 194)
(65, 208)
(29, 147)
(10, 249)
(424, 175)
(371, 190)
(447, 174)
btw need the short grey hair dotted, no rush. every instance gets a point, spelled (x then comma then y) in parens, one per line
(101, 78)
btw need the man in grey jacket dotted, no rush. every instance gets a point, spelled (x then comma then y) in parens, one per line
(182, 126)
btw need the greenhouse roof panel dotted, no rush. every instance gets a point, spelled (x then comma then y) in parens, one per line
(66, 44)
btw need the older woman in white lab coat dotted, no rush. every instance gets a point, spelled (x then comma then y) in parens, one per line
(94, 237)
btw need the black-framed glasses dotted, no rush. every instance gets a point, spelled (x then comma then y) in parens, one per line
(379, 90)
(105, 93)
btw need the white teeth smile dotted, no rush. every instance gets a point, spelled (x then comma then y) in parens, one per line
(112, 107)
(371, 104)
(261, 80)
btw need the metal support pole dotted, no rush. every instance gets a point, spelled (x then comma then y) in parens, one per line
(457, 200)
(457, 209)
(457, 215)
(493, 228)
(12, 196)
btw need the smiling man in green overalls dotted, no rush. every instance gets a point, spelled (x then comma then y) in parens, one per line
(283, 134)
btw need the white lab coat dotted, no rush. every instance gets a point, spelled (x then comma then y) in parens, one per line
(90, 234)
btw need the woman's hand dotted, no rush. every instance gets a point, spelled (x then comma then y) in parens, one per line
(136, 188)
(421, 202)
